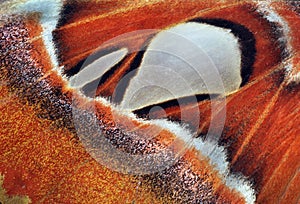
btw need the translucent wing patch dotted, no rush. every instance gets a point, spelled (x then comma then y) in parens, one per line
(188, 59)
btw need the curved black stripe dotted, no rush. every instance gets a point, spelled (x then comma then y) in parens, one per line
(245, 38)
(89, 60)
(90, 88)
(144, 112)
(247, 46)
(130, 73)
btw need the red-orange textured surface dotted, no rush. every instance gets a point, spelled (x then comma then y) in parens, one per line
(49, 165)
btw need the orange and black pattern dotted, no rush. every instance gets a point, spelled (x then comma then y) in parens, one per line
(43, 158)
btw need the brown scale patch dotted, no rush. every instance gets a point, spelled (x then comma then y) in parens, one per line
(88, 9)
(201, 167)
(25, 74)
(37, 156)
(44, 168)
(192, 180)
(128, 66)
(180, 184)
(252, 107)
(186, 113)
(49, 165)
(92, 183)
(267, 51)
(271, 156)
(268, 55)
(274, 167)
(108, 88)
(293, 20)
(253, 99)
(37, 45)
(96, 31)
(288, 195)
(28, 80)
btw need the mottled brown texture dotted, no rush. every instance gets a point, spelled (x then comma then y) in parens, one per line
(44, 94)
(43, 158)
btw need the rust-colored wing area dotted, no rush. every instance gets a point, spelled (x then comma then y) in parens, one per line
(43, 160)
